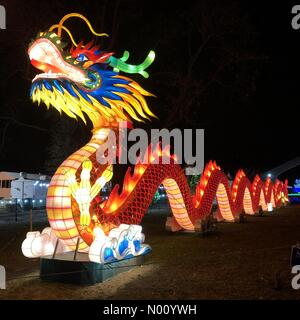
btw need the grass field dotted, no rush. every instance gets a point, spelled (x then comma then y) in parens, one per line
(238, 261)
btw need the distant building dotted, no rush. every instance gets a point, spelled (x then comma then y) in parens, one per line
(5, 183)
(25, 189)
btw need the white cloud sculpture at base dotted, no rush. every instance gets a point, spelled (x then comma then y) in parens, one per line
(39, 244)
(123, 242)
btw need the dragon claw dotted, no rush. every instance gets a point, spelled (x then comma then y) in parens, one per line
(85, 219)
(83, 192)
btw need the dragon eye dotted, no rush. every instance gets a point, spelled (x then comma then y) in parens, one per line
(81, 58)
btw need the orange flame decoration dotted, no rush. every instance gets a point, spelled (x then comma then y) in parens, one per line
(138, 189)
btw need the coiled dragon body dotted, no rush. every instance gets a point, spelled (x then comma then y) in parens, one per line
(85, 82)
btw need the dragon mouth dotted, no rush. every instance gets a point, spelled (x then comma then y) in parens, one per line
(46, 57)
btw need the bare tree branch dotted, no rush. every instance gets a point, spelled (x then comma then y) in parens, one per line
(19, 123)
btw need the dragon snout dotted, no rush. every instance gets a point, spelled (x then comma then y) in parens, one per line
(45, 56)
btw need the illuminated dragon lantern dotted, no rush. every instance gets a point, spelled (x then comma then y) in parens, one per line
(85, 82)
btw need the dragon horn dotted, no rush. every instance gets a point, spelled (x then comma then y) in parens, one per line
(119, 64)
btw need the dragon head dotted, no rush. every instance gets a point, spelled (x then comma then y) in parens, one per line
(83, 79)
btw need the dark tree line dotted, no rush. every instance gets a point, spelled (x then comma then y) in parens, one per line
(205, 74)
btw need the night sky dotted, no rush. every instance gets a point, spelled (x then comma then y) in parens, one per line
(229, 67)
